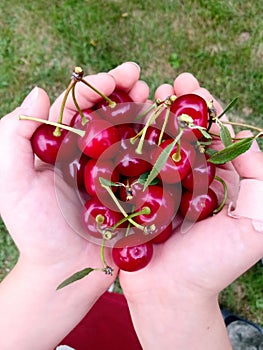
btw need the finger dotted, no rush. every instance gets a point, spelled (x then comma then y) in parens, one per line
(249, 164)
(86, 97)
(16, 162)
(126, 75)
(185, 83)
(139, 92)
(163, 91)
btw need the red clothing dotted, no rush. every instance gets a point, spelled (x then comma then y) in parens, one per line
(107, 326)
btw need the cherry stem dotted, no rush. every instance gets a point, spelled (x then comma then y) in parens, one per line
(244, 125)
(49, 122)
(222, 204)
(148, 110)
(144, 211)
(111, 103)
(167, 113)
(109, 190)
(141, 134)
(62, 107)
(84, 120)
(102, 253)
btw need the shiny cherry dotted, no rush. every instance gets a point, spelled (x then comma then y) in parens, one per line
(175, 170)
(194, 106)
(163, 206)
(100, 136)
(89, 217)
(129, 163)
(73, 172)
(131, 254)
(48, 146)
(123, 112)
(164, 232)
(94, 169)
(201, 175)
(198, 207)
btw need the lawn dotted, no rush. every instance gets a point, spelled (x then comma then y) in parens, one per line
(220, 42)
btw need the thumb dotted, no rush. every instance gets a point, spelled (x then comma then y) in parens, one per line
(17, 162)
(249, 164)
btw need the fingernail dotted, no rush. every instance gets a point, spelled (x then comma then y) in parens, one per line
(30, 98)
(137, 65)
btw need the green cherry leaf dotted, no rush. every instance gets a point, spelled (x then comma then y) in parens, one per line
(161, 160)
(225, 135)
(75, 277)
(231, 152)
(228, 107)
(108, 183)
(143, 178)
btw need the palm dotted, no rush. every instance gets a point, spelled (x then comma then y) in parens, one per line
(202, 258)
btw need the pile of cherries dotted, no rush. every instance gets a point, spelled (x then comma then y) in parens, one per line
(139, 170)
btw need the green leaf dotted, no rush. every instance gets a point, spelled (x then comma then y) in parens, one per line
(231, 152)
(161, 160)
(143, 178)
(225, 135)
(75, 277)
(108, 183)
(228, 107)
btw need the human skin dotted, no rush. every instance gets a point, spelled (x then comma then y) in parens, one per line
(37, 315)
(174, 300)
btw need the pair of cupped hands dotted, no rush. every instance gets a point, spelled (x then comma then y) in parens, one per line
(199, 263)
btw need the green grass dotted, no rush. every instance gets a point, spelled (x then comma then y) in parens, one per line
(220, 42)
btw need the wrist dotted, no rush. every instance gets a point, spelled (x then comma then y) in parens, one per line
(50, 314)
(181, 322)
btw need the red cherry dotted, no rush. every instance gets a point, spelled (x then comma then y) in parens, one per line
(93, 207)
(100, 135)
(48, 147)
(124, 111)
(163, 234)
(129, 163)
(130, 254)
(163, 206)
(198, 207)
(94, 169)
(194, 106)
(73, 172)
(175, 170)
(88, 113)
(201, 175)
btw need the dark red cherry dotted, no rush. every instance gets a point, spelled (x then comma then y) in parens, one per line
(131, 254)
(100, 136)
(73, 172)
(194, 106)
(162, 234)
(174, 170)
(201, 175)
(163, 206)
(94, 169)
(47, 146)
(123, 112)
(94, 209)
(129, 163)
(89, 115)
(198, 207)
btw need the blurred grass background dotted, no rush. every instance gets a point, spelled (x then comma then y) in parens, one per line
(220, 42)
